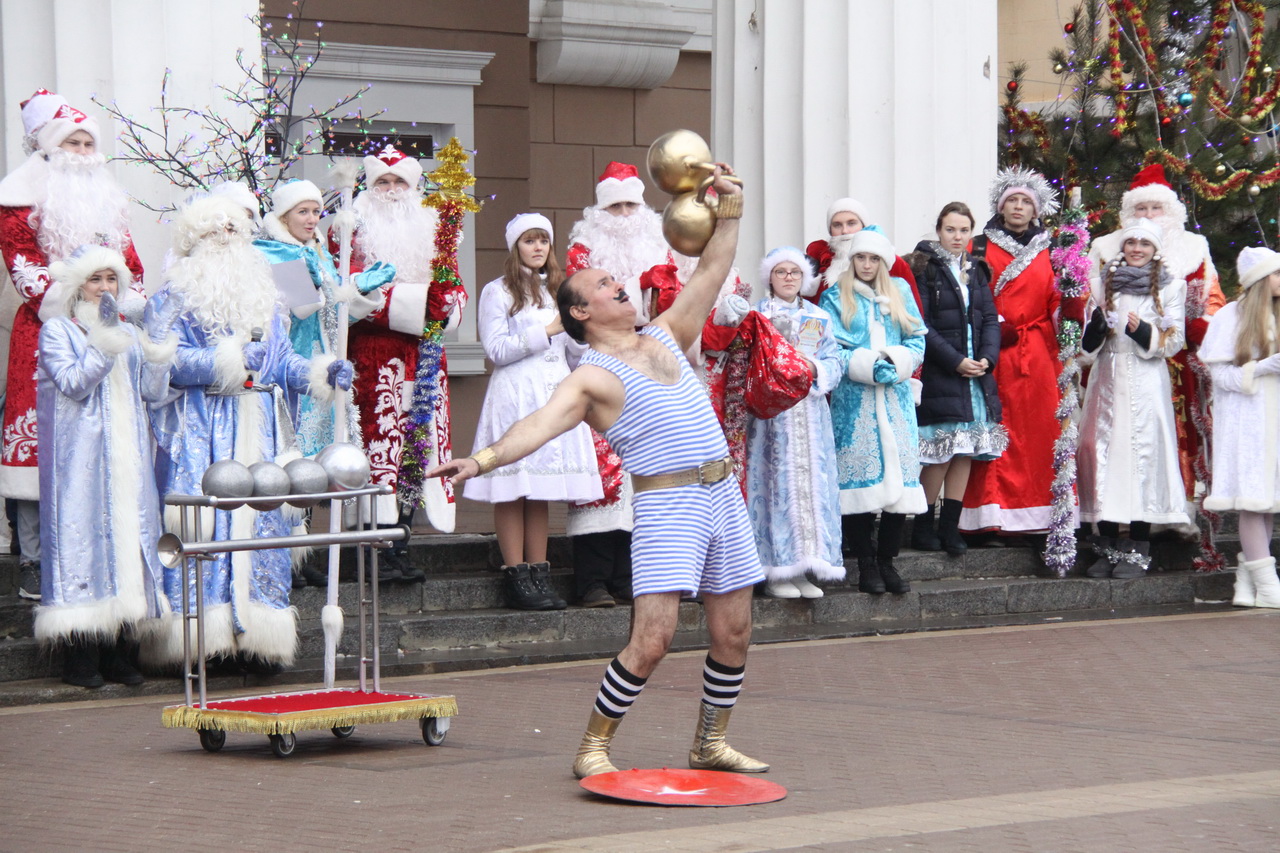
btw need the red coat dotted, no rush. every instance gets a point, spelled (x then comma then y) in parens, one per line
(1012, 493)
(28, 268)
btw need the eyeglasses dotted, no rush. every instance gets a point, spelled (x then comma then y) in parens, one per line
(787, 273)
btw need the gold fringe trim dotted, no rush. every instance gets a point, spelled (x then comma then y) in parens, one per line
(257, 722)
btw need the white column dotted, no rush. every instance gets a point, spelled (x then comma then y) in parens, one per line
(885, 102)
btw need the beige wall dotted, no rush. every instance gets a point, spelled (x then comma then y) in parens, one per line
(1029, 29)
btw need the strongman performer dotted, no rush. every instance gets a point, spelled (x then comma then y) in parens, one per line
(691, 528)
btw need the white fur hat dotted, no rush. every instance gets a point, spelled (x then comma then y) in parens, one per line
(524, 222)
(207, 215)
(808, 281)
(619, 182)
(394, 161)
(851, 205)
(70, 275)
(871, 239)
(1143, 229)
(47, 120)
(1256, 263)
(290, 194)
(239, 193)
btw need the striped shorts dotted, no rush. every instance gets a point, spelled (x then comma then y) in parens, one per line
(693, 539)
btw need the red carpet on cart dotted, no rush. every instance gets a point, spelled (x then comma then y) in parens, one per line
(311, 700)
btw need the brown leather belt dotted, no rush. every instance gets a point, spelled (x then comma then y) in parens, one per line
(706, 474)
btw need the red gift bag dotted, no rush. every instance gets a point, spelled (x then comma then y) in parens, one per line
(778, 377)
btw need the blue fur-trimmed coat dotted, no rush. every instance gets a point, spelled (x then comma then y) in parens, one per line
(877, 439)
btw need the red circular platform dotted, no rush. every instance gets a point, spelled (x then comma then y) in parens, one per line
(667, 787)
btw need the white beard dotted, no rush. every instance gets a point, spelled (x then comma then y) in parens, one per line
(226, 284)
(395, 228)
(83, 204)
(623, 246)
(842, 257)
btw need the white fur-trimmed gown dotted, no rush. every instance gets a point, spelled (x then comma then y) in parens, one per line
(528, 366)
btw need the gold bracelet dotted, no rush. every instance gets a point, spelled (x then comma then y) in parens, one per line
(729, 206)
(486, 459)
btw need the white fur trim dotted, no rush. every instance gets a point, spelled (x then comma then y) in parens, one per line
(407, 307)
(229, 372)
(523, 222)
(1240, 504)
(1248, 382)
(269, 633)
(610, 191)
(903, 359)
(289, 195)
(161, 352)
(161, 639)
(57, 130)
(808, 281)
(319, 388)
(408, 168)
(917, 389)
(360, 305)
(862, 366)
(850, 205)
(100, 620)
(874, 243)
(20, 482)
(110, 340)
(821, 569)
(69, 276)
(205, 216)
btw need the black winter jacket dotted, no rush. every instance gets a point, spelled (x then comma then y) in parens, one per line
(945, 397)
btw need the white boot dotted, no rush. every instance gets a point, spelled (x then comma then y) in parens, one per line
(807, 590)
(1245, 594)
(1265, 583)
(781, 589)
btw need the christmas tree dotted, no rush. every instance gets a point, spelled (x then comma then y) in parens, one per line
(1189, 84)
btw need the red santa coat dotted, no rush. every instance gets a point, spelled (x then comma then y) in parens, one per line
(28, 267)
(1012, 493)
(384, 349)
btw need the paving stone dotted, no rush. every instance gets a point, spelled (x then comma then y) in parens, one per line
(1063, 594)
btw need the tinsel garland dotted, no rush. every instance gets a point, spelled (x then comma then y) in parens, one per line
(417, 456)
(1210, 559)
(1212, 190)
(1070, 258)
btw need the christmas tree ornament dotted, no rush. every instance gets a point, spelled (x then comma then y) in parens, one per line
(1012, 85)
(1267, 70)
(1186, 99)
(1069, 28)
(1058, 68)
(1220, 170)
(1166, 121)
(1255, 190)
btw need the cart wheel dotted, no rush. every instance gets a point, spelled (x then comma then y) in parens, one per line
(212, 739)
(343, 732)
(283, 745)
(431, 731)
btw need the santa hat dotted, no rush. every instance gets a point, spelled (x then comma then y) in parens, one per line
(808, 281)
(70, 275)
(1151, 185)
(873, 241)
(1256, 263)
(619, 182)
(240, 194)
(47, 120)
(394, 161)
(1143, 229)
(1027, 182)
(526, 222)
(290, 194)
(848, 205)
(208, 215)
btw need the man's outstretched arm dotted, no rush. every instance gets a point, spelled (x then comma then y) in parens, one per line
(688, 313)
(568, 407)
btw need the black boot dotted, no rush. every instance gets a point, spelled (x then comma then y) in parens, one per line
(869, 580)
(923, 537)
(949, 527)
(891, 524)
(117, 664)
(80, 664)
(541, 575)
(522, 593)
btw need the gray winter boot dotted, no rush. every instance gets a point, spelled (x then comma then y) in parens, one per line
(1105, 548)
(1134, 559)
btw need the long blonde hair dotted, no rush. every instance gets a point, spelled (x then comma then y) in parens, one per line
(883, 286)
(1259, 321)
(525, 285)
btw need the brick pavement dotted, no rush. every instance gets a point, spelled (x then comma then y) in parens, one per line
(1154, 734)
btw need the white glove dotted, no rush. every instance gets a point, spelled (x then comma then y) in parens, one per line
(1270, 364)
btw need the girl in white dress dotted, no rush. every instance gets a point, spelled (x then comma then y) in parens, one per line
(1243, 356)
(522, 335)
(1128, 455)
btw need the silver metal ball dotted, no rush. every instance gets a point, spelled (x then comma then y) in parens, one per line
(227, 479)
(269, 481)
(306, 477)
(346, 465)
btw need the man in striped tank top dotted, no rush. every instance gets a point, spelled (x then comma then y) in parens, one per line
(691, 528)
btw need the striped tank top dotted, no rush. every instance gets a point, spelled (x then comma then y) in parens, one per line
(662, 428)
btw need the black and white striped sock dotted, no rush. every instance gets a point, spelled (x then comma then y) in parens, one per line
(721, 684)
(618, 690)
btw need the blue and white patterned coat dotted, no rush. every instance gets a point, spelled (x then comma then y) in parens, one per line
(793, 494)
(99, 513)
(877, 440)
(210, 418)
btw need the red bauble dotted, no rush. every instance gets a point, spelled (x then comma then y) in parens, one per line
(1069, 28)
(1012, 85)
(1166, 121)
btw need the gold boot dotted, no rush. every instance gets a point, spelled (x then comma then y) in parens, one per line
(711, 752)
(593, 754)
